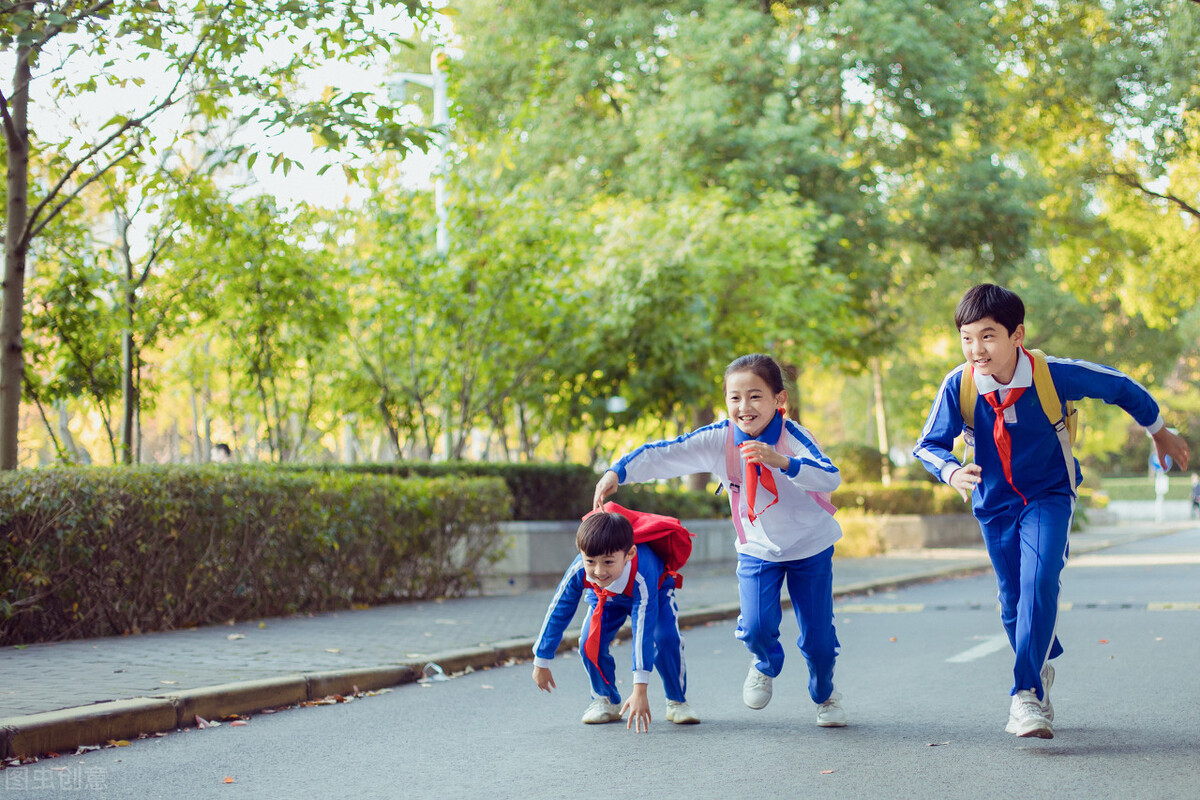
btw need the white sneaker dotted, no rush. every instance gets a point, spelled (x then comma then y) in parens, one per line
(1047, 682)
(600, 711)
(830, 714)
(681, 713)
(1027, 717)
(756, 691)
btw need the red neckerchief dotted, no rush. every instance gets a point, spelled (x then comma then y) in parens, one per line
(1003, 440)
(757, 475)
(591, 647)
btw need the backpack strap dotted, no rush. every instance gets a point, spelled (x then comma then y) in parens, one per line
(1063, 418)
(968, 393)
(733, 472)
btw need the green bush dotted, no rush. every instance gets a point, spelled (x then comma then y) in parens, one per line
(858, 463)
(900, 498)
(914, 472)
(552, 491)
(678, 503)
(539, 491)
(101, 551)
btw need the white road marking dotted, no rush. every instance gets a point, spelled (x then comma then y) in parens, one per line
(880, 608)
(1133, 560)
(984, 648)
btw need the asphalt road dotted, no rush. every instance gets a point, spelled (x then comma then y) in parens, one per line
(924, 673)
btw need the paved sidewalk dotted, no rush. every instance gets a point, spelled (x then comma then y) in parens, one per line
(55, 697)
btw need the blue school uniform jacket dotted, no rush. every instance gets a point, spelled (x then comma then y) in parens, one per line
(794, 528)
(641, 603)
(1038, 468)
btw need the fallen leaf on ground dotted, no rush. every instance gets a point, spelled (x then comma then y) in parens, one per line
(234, 636)
(237, 723)
(333, 650)
(1104, 641)
(228, 779)
(118, 743)
(168, 683)
(202, 723)
(828, 771)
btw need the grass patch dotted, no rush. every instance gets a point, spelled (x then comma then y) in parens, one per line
(1142, 487)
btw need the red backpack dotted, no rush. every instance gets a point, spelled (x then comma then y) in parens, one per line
(666, 536)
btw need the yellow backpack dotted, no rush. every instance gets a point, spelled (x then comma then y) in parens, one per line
(1065, 423)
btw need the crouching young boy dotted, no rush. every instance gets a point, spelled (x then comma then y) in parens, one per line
(619, 582)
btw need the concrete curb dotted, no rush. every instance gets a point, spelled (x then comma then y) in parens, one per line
(70, 728)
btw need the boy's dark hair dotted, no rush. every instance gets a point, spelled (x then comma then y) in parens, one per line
(604, 532)
(990, 300)
(761, 365)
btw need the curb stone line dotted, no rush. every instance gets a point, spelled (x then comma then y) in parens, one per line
(67, 729)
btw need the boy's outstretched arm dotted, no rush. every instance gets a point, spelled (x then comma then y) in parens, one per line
(638, 706)
(1170, 444)
(543, 678)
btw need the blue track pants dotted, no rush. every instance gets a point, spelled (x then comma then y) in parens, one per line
(810, 586)
(668, 658)
(1028, 552)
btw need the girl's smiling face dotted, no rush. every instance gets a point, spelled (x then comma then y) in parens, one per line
(750, 402)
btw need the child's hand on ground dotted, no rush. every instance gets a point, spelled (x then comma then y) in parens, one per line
(638, 706)
(965, 479)
(543, 678)
(1173, 445)
(607, 485)
(756, 452)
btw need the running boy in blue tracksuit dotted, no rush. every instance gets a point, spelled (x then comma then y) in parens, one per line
(1024, 497)
(619, 582)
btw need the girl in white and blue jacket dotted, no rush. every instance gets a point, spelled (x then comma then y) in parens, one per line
(786, 530)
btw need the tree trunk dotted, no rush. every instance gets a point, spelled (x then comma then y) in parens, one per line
(701, 416)
(129, 399)
(791, 377)
(16, 244)
(881, 422)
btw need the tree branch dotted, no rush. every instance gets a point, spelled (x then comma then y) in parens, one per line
(1131, 180)
(167, 102)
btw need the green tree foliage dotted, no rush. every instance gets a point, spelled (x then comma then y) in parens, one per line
(145, 58)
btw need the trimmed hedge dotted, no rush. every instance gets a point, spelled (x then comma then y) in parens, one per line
(539, 491)
(101, 551)
(564, 491)
(550, 491)
(900, 498)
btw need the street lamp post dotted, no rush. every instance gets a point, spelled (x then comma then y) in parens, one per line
(435, 80)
